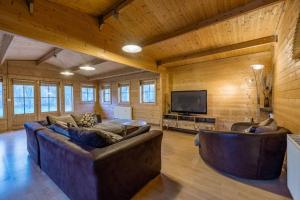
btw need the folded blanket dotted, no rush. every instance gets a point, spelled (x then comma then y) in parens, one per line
(113, 127)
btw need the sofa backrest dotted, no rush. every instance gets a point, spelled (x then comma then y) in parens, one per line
(250, 155)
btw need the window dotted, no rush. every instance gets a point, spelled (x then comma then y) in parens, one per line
(48, 98)
(23, 99)
(1, 100)
(106, 96)
(69, 102)
(87, 94)
(124, 93)
(147, 92)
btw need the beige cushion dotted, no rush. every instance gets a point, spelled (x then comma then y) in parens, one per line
(264, 129)
(266, 122)
(65, 118)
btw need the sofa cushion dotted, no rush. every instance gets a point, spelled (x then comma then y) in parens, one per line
(269, 128)
(65, 118)
(93, 138)
(110, 126)
(60, 128)
(140, 130)
(85, 119)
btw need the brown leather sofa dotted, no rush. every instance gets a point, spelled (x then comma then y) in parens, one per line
(252, 156)
(117, 171)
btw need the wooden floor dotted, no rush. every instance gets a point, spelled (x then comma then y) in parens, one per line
(184, 175)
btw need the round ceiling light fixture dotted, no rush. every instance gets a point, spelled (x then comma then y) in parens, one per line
(87, 68)
(257, 66)
(132, 48)
(67, 73)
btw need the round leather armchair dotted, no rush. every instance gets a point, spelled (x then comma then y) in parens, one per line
(253, 156)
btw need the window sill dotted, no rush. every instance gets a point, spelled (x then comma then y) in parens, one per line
(149, 104)
(124, 103)
(106, 103)
(87, 102)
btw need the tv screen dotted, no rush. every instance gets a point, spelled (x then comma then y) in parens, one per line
(189, 101)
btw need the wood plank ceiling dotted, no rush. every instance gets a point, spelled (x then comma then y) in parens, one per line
(142, 21)
(146, 19)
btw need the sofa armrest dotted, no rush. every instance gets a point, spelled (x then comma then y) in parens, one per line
(125, 167)
(99, 119)
(241, 126)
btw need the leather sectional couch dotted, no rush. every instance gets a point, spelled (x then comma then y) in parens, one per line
(117, 171)
(252, 156)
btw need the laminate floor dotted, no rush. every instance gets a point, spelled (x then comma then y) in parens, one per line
(184, 175)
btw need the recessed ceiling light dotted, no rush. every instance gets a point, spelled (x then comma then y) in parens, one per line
(132, 48)
(67, 73)
(257, 66)
(87, 68)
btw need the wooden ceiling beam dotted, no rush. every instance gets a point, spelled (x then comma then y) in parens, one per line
(66, 28)
(6, 42)
(236, 12)
(116, 73)
(112, 11)
(48, 55)
(237, 46)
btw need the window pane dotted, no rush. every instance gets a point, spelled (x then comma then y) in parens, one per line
(44, 91)
(53, 104)
(1, 100)
(148, 90)
(87, 94)
(48, 98)
(18, 91)
(90, 94)
(19, 105)
(29, 105)
(68, 98)
(44, 104)
(83, 94)
(52, 91)
(28, 91)
(23, 99)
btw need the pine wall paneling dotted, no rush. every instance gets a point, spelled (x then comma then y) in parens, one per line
(287, 71)
(231, 95)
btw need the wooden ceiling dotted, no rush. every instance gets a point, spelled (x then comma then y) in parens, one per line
(154, 23)
(21, 48)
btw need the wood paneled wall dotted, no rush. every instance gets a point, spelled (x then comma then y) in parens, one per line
(287, 71)
(231, 94)
(29, 71)
(148, 112)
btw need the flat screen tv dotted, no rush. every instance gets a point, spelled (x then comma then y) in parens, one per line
(189, 102)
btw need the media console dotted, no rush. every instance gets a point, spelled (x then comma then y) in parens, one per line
(188, 123)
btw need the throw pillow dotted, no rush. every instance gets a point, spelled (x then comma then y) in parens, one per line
(60, 129)
(78, 118)
(66, 119)
(91, 138)
(88, 120)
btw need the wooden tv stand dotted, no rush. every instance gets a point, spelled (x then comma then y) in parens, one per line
(188, 123)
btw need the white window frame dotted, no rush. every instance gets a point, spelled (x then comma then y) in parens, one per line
(68, 85)
(57, 97)
(107, 86)
(146, 82)
(120, 85)
(94, 94)
(13, 99)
